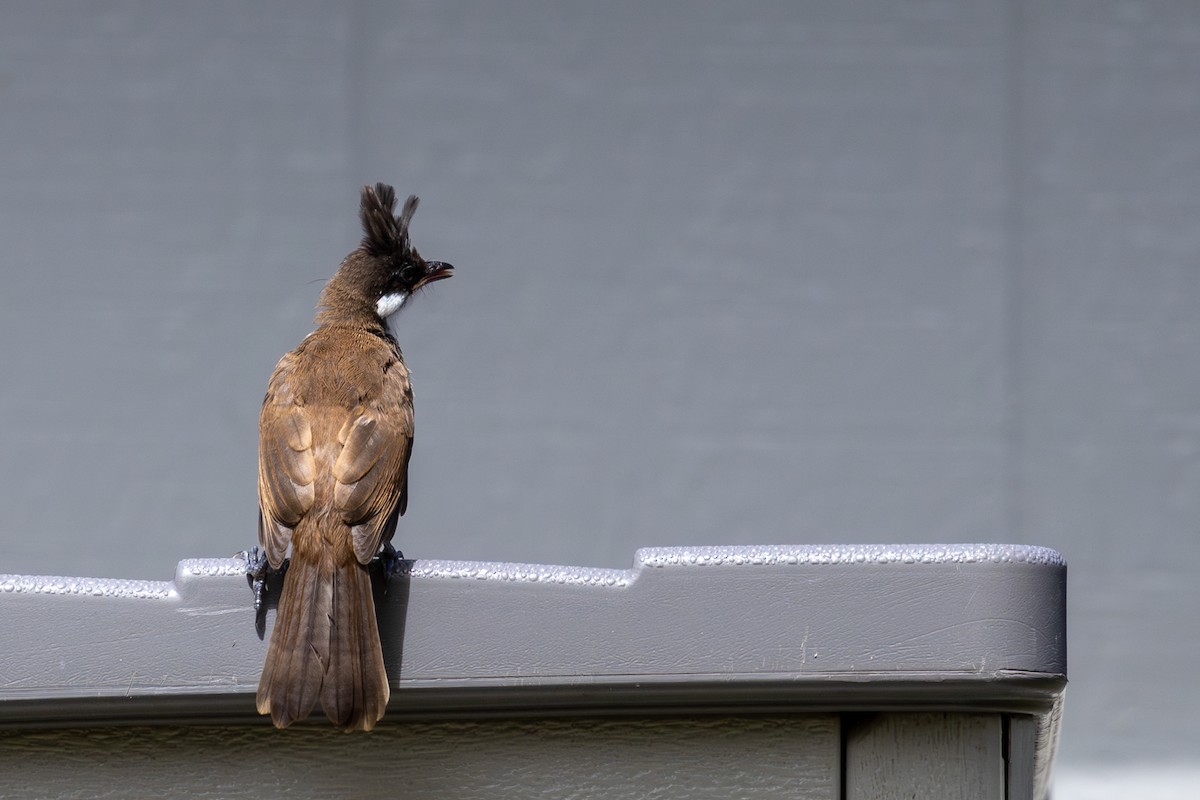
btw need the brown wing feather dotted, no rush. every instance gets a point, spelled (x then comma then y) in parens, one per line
(371, 472)
(286, 465)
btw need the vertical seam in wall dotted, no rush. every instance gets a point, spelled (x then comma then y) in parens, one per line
(843, 728)
(1006, 753)
(1013, 265)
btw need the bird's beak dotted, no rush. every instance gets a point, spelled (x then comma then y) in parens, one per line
(435, 271)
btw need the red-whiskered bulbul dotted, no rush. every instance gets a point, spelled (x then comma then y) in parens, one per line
(335, 435)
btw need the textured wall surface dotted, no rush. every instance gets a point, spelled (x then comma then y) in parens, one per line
(751, 273)
(763, 757)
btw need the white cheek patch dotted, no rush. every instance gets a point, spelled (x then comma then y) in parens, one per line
(390, 303)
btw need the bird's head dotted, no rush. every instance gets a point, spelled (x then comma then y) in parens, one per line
(386, 270)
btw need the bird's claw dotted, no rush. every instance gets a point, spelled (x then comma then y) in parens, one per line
(256, 574)
(390, 559)
(257, 571)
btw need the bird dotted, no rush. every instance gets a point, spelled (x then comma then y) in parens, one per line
(335, 438)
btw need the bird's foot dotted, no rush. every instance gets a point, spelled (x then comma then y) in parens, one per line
(391, 560)
(256, 574)
(257, 569)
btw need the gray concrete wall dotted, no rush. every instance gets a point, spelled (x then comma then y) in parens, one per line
(728, 273)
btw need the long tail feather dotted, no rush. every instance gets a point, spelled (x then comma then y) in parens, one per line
(325, 645)
(355, 693)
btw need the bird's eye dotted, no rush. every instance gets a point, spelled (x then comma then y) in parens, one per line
(409, 274)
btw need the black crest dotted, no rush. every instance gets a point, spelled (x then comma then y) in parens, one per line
(384, 234)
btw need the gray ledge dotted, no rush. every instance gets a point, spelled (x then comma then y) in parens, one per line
(757, 628)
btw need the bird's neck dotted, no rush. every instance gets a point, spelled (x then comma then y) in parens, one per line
(340, 307)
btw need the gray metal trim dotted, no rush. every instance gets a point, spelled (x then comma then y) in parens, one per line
(968, 627)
